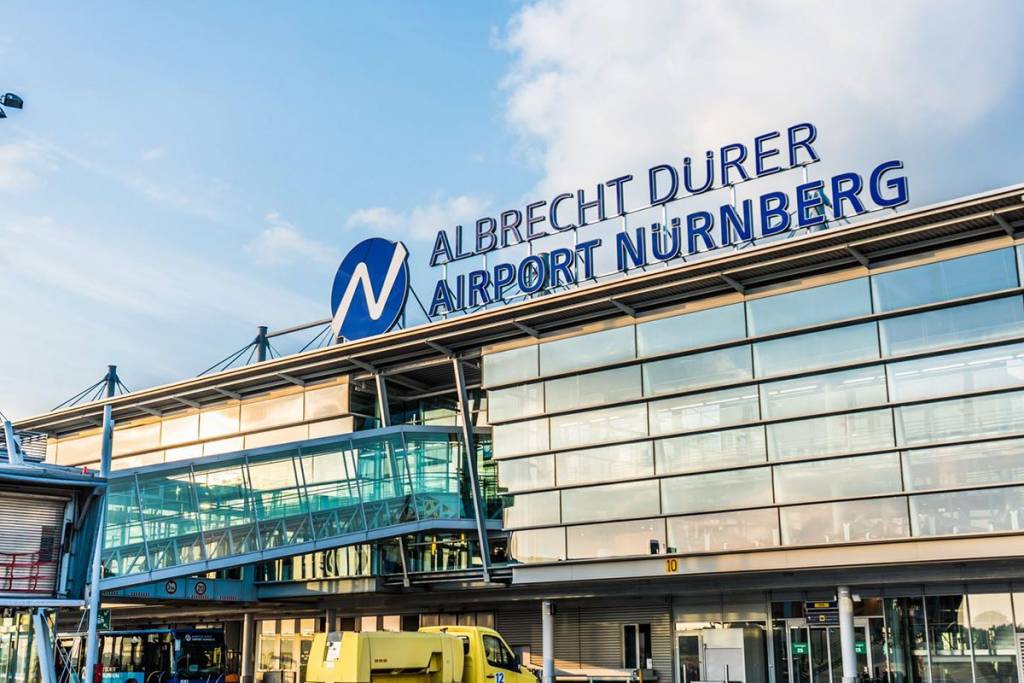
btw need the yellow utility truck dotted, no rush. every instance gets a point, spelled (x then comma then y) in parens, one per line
(436, 654)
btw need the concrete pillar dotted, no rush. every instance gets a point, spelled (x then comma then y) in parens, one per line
(847, 637)
(248, 656)
(547, 627)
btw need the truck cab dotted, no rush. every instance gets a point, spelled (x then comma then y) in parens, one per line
(488, 658)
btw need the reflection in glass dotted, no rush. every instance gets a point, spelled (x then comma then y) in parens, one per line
(976, 464)
(957, 373)
(710, 450)
(960, 418)
(510, 403)
(611, 501)
(329, 473)
(717, 490)
(697, 370)
(908, 646)
(510, 366)
(524, 474)
(702, 411)
(805, 307)
(825, 393)
(996, 319)
(537, 545)
(992, 635)
(169, 519)
(816, 349)
(845, 522)
(520, 437)
(226, 510)
(833, 435)
(532, 509)
(839, 478)
(724, 531)
(691, 330)
(968, 512)
(622, 461)
(599, 426)
(948, 637)
(593, 388)
(587, 350)
(989, 271)
(615, 539)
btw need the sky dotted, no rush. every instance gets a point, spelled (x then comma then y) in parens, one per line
(183, 172)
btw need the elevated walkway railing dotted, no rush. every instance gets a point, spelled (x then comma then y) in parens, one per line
(182, 518)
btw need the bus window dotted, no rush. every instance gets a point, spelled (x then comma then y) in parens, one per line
(200, 655)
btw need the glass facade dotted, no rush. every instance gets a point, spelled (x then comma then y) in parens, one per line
(283, 498)
(878, 408)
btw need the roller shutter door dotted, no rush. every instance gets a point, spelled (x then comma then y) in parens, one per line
(30, 542)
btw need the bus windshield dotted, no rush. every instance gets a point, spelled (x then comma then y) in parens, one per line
(200, 655)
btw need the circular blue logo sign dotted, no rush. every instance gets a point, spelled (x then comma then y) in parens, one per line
(370, 289)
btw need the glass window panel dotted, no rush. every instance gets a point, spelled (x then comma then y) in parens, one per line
(1018, 598)
(588, 350)
(976, 464)
(832, 392)
(598, 426)
(724, 531)
(532, 509)
(697, 370)
(169, 519)
(520, 437)
(691, 330)
(948, 638)
(514, 402)
(960, 418)
(612, 501)
(805, 307)
(177, 430)
(617, 539)
(132, 439)
(703, 411)
(622, 461)
(992, 628)
(989, 271)
(593, 389)
(273, 412)
(510, 366)
(968, 512)
(845, 522)
(996, 319)
(79, 450)
(234, 443)
(538, 545)
(842, 478)
(954, 373)
(326, 401)
(816, 349)
(275, 437)
(276, 498)
(833, 435)
(710, 450)
(716, 490)
(225, 510)
(183, 453)
(524, 474)
(218, 422)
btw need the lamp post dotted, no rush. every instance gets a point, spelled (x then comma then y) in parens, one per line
(10, 100)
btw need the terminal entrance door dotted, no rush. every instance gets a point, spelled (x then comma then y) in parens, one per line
(814, 654)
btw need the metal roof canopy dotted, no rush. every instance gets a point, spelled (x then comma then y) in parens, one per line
(417, 359)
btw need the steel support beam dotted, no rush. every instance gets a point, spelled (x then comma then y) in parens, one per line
(44, 646)
(847, 638)
(248, 654)
(92, 642)
(469, 445)
(382, 399)
(547, 628)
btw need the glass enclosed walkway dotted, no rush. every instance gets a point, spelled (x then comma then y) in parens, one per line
(184, 518)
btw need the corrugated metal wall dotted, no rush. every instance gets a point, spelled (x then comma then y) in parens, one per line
(588, 634)
(31, 529)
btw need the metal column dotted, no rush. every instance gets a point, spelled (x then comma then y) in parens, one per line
(44, 646)
(248, 655)
(262, 343)
(469, 443)
(382, 400)
(547, 628)
(92, 644)
(846, 634)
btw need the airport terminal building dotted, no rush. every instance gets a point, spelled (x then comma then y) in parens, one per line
(736, 468)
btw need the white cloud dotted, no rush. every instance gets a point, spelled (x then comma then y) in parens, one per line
(601, 89)
(282, 243)
(154, 153)
(421, 222)
(21, 165)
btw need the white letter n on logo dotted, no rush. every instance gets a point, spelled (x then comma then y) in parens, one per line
(361, 277)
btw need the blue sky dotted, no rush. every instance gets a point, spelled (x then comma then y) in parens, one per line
(184, 172)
